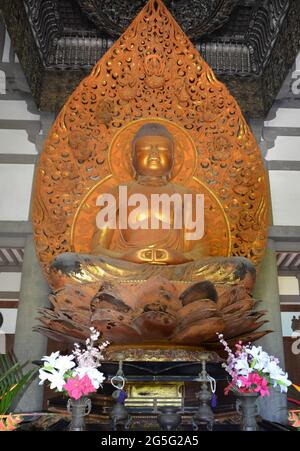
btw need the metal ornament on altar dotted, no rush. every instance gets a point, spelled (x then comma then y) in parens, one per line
(204, 414)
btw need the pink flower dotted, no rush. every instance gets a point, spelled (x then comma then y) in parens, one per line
(263, 388)
(77, 387)
(254, 383)
(86, 385)
(228, 389)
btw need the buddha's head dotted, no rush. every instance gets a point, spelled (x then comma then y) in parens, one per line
(152, 151)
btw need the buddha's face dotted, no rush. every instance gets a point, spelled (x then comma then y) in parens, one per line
(153, 156)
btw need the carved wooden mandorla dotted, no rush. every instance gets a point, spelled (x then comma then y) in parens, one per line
(153, 73)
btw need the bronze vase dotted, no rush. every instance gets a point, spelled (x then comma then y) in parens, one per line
(79, 409)
(246, 406)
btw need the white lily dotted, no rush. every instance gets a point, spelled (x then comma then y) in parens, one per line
(56, 378)
(51, 359)
(274, 370)
(262, 361)
(64, 363)
(278, 376)
(43, 376)
(255, 351)
(283, 382)
(242, 367)
(260, 358)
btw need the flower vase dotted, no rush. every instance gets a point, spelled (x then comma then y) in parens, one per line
(246, 406)
(79, 409)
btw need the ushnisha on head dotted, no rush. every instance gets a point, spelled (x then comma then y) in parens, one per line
(153, 151)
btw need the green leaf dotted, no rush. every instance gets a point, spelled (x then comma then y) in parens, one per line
(253, 363)
(12, 380)
(48, 368)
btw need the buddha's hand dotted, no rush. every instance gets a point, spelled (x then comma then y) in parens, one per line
(156, 256)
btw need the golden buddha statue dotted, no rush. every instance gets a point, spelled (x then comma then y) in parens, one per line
(131, 251)
(154, 285)
(172, 284)
(152, 160)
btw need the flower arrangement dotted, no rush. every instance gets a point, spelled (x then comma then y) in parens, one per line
(9, 422)
(253, 370)
(76, 374)
(294, 419)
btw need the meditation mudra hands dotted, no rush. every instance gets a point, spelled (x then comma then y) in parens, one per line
(156, 256)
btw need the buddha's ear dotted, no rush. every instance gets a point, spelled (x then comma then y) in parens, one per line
(132, 165)
(170, 175)
(95, 238)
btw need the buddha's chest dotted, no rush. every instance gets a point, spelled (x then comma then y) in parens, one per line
(151, 217)
(153, 210)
